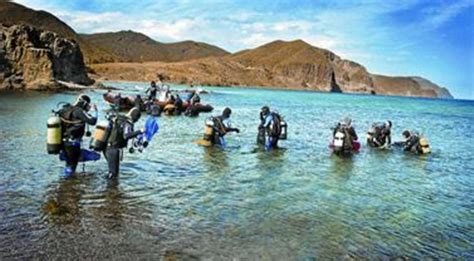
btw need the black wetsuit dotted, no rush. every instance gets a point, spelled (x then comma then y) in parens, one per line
(412, 143)
(116, 144)
(350, 131)
(268, 128)
(74, 121)
(220, 129)
(178, 103)
(152, 90)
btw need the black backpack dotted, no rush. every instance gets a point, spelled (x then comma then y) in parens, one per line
(116, 138)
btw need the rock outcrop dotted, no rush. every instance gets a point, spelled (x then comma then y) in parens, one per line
(35, 59)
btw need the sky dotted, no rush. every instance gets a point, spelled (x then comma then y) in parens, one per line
(429, 38)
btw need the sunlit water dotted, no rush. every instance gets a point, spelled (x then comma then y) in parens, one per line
(180, 200)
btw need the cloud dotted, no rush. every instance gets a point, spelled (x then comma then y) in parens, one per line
(436, 16)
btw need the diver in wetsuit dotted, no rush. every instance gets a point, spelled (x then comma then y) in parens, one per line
(269, 130)
(73, 120)
(379, 136)
(220, 127)
(345, 134)
(122, 131)
(152, 90)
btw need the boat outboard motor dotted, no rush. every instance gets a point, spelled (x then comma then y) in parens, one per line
(101, 135)
(54, 134)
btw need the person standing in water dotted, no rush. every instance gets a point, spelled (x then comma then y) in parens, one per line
(73, 120)
(121, 132)
(217, 128)
(152, 91)
(270, 128)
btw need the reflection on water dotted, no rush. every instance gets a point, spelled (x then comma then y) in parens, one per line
(178, 200)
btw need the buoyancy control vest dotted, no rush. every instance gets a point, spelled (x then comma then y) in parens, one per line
(71, 128)
(213, 128)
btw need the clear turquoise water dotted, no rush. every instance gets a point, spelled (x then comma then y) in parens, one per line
(180, 200)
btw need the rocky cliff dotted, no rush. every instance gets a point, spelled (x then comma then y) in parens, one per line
(34, 59)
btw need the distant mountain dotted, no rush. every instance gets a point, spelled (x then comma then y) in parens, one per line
(136, 47)
(124, 46)
(293, 64)
(409, 86)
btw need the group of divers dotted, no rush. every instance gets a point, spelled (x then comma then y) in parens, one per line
(67, 127)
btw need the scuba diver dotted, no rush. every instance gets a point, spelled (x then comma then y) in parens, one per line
(178, 103)
(379, 135)
(193, 98)
(414, 142)
(165, 94)
(216, 128)
(152, 90)
(344, 138)
(73, 124)
(271, 129)
(121, 132)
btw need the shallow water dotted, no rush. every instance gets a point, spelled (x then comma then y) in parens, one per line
(180, 200)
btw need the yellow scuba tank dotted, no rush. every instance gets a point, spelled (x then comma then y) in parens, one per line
(424, 146)
(101, 135)
(169, 109)
(208, 133)
(54, 135)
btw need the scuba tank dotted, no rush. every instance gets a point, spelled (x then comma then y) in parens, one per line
(101, 135)
(424, 145)
(169, 110)
(283, 127)
(338, 141)
(54, 134)
(208, 132)
(371, 135)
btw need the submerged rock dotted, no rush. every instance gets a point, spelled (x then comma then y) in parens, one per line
(35, 59)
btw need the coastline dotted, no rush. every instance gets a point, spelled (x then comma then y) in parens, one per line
(277, 88)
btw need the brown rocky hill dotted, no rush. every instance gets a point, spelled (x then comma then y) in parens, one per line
(136, 47)
(13, 13)
(294, 65)
(35, 59)
(408, 86)
(123, 46)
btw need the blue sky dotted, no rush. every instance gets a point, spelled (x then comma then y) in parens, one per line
(433, 39)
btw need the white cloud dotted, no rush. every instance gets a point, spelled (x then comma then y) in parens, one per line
(438, 15)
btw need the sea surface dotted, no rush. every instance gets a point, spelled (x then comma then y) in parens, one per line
(179, 200)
